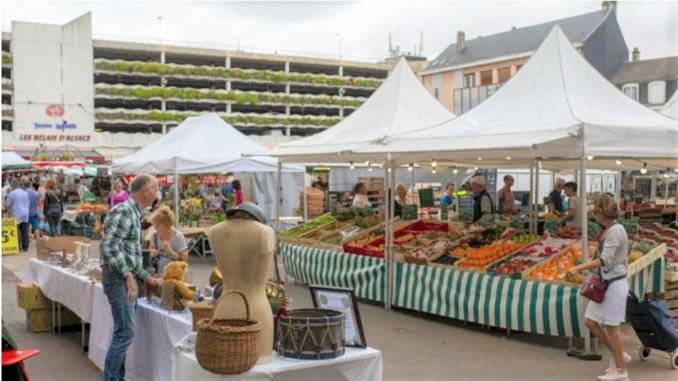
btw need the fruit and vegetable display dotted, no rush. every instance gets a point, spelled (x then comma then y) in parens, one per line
(557, 267)
(524, 239)
(478, 258)
(91, 208)
(403, 239)
(308, 226)
(568, 232)
(515, 266)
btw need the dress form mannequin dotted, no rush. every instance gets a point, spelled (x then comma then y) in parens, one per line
(244, 251)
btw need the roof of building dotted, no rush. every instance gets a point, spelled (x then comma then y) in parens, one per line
(520, 40)
(647, 70)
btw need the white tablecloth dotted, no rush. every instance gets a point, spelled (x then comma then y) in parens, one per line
(74, 291)
(355, 365)
(156, 333)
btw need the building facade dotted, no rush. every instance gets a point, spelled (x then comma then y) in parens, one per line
(650, 82)
(130, 87)
(469, 71)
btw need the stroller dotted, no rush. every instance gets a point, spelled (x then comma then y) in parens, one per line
(654, 326)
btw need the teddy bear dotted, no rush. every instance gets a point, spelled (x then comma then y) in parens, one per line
(174, 273)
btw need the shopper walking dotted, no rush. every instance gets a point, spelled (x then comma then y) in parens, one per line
(117, 195)
(613, 264)
(122, 266)
(18, 205)
(54, 208)
(33, 208)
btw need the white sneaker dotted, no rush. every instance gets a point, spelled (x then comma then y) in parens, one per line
(615, 375)
(610, 368)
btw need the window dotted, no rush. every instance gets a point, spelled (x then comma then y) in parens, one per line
(485, 77)
(656, 92)
(504, 74)
(435, 93)
(631, 91)
(470, 80)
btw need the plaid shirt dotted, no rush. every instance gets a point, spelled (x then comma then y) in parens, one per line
(121, 244)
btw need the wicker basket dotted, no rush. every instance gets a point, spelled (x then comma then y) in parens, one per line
(199, 311)
(228, 346)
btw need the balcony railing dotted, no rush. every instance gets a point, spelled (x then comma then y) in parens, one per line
(469, 97)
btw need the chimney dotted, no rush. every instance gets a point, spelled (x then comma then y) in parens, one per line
(609, 6)
(635, 55)
(461, 41)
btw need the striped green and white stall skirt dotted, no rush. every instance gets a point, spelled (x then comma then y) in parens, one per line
(496, 301)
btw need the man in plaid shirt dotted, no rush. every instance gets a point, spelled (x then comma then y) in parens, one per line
(122, 265)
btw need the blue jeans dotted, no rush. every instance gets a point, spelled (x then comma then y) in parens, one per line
(123, 312)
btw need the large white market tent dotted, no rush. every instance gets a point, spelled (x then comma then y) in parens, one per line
(12, 160)
(207, 144)
(399, 105)
(670, 109)
(556, 107)
(201, 144)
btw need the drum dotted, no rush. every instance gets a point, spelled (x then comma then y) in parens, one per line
(311, 334)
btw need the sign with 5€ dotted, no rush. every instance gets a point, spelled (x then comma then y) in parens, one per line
(10, 237)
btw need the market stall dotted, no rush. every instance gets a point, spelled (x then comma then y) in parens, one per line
(208, 145)
(563, 123)
(11, 160)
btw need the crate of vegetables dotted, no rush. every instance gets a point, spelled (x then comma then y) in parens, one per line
(478, 259)
(428, 225)
(370, 242)
(555, 268)
(293, 234)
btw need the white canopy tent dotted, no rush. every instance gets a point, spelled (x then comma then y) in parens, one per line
(557, 106)
(399, 105)
(12, 160)
(202, 144)
(670, 109)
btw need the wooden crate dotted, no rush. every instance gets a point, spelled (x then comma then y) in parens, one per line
(671, 294)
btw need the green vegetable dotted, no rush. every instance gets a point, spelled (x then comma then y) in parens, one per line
(644, 247)
(310, 225)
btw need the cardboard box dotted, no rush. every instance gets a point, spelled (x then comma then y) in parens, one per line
(29, 297)
(46, 245)
(39, 320)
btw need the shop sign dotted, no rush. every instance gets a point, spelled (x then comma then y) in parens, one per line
(53, 138)
(10, 236)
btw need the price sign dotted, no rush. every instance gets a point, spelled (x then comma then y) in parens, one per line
(466, 209)
(444, 213)
(10, 237)
(409, 213)
(426, 198)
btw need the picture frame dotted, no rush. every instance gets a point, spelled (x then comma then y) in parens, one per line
(344, 300)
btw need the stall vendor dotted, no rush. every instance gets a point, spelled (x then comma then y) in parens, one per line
(506, 201)
(572, 215)
(482, 202)
(447, 198)
(360, 198)
(556, 199)
(400, 200)
(167, 244)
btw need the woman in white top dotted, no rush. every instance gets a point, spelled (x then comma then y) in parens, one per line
(612, 261)
(360, 196)
(572, 215)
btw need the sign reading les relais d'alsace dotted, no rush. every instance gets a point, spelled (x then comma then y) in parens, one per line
(57, 112)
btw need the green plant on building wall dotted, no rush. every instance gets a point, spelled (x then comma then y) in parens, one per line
(6, 58)
(225, 96)
(219, 72)
(160, 116)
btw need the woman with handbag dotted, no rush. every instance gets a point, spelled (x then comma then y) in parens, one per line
(610, 289)
(53, 208)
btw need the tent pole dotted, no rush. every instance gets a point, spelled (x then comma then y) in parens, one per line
(536, 196)
(412, 181)
(176, 191)
(653, 187)
(666, 194)
(531, 220)
(278, 194)
(389, 176)
(305, 198)
(617, 187)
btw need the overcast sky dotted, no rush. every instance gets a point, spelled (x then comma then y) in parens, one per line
(360, 28)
